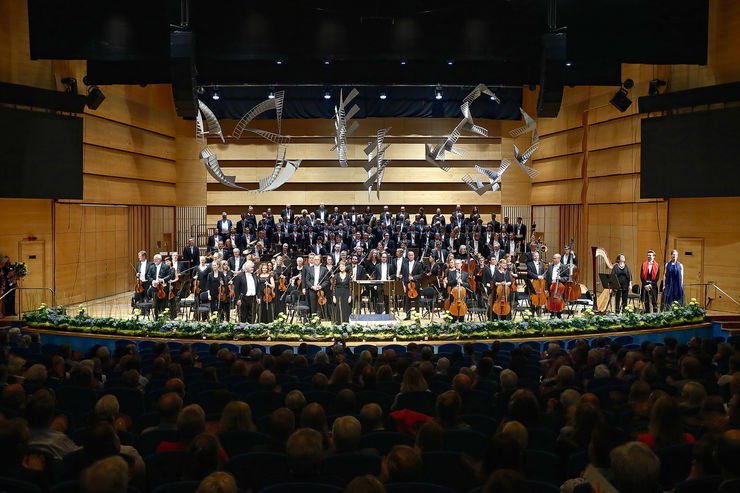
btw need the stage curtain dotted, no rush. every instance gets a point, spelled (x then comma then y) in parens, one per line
(571, 226)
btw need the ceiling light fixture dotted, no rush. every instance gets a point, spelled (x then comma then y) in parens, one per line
(383, 95)
(216, 96)
(438, 92)
(327, 94)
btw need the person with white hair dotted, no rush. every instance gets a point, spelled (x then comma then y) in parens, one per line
(636, 468)
(245, 288)
(108, 475)
(160, 275)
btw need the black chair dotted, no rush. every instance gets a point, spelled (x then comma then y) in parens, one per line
(241, 442)
(384, 441)
(256, 469)
(541, 439)
(577, 462)
(349, 466)
(323, 397)
(421, 402)
(164, 467)
(148, 442)
(72, 486)
(427, 300)
(448, 469)
(177, 487)
(468, 442)
(416, 488)
(541, 466)
(301, 488)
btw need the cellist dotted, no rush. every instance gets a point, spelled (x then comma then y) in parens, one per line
(502, 276)
(556, 272)
(536, 270)
(488, 285)
(457, 276)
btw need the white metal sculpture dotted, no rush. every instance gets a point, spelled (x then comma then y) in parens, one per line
(522, 158)
(210, 161)
(529, 126)
(341, 118)
(494, 178)
(375, 152)
(275, 103)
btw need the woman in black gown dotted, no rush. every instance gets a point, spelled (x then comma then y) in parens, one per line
(341, 295)
(503, 277)
(265, 280)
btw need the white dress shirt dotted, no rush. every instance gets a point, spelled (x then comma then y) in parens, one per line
(251, 288)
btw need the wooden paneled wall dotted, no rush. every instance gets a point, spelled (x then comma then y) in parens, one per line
(590, 155)
(409, 180)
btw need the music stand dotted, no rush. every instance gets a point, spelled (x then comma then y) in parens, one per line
(609, 281)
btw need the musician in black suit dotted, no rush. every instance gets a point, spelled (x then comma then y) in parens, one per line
(191, 253)
(316, 279)
(412, 270)
(318, 248)
(556, 272)
(494, 224)
(245, 288)
(142, 273)
(479, 246)
(214, 239)
(458, 277)
(251, 218)
(569, 256)
(520, 231)
(402, 216)
(159, 273)
(224, 225)
(531, 252)
(288, 214)
(488, 273)
(322, 213)
(384, 272)
(536, 269)
(236, 261)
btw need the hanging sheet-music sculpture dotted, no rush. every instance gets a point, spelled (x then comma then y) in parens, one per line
(341, 118)
(375, 166)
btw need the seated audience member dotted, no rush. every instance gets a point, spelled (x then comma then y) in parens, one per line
(39, 414)
(14, 436)
(110, 475)
(237, 416)
(666, 425)
(202, 457)
(345, 434)
(505, 481)
(218, 482)
(635, 468)
(728, 458)
(365, 484)
(402, 464)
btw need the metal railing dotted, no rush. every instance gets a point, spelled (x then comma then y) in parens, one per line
(20, 299)
(705, 293)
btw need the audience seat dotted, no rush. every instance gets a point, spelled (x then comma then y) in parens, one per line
(416, 488)
(468, 442)
(17, 486)
(448, 469)
(264, 402)
(675, 462)
(699, 485)
(164, 467)
(421, 402)
(534, 486)
(256, 469)
(349, 466)
(177, 487)
(301, 488)
(148, 442)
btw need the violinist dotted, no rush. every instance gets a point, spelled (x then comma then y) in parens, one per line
(536, 269)
(236, 262)
(341, 294)
(225, 306)
(556, 272)
(160, 274)
(331, 267)
(213, 283)
(142, 274)
(455, 277)
(200, 280)
(266, 294)
(412, 271)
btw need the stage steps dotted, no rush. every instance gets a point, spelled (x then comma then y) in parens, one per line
(728, 323)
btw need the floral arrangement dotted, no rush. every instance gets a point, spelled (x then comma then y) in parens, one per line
(283, 330)
(20, 269)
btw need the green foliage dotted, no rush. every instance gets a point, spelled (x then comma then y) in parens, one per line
(281, 330)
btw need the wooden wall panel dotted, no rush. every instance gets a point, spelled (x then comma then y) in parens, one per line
(111, 190)
(558, 168)
(613, 133)
(559, 144)
(614, 161)
(108, 133)
(149, 108)
(16, 65)
(612, 189)
(191, 174)
(112, 162)
(556, 192)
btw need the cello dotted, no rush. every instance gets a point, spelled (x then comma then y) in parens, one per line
(456, 300)
(572, 288)
(540, 294)
(555, 302)
(501, 306)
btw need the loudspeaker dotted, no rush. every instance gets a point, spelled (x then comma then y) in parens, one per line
(548, 102)
(554, 48)
(183, 73)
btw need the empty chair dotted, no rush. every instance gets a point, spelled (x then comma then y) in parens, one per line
(533, 344)
(164, 467)
(256, 469)
(384, 441)
(449, 348)
(541, 466)
(623, 340)
(200, 347)
(469, 442)
(479, 347)
(421, 402)
(362, 347)
(396, 347)
(174, 345)
(349, 466)
(506, 345)
(124, 342)
(146, 345)
(241, 442)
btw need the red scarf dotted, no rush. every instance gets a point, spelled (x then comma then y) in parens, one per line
(654, 272)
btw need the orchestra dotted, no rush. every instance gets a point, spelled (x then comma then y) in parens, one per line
(332, 262)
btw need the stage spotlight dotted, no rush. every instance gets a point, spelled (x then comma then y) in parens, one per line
(438, 93)
(278, 62)
(403, 62)
(620, 100)
(94, 97)
(383, 95)
(653, 88)
(71, 84)
(327, 94)
(271, 94)
(568, 64)
(216, 96)
(450, 62)
(327, 62)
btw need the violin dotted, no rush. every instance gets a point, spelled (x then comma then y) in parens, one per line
(232, 293)
(321, 297)
(196, 286)
(539, 297)
(411, 290)
(222, 292)
(172, 291)
(269, 294)
(281, 285)
(139, 286)
(501, 306)
(160, 290)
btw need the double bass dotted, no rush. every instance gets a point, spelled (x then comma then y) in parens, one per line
(555, 301)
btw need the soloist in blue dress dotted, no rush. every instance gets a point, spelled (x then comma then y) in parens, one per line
(673, 290)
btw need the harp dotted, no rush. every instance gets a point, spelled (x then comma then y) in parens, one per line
(602, 265)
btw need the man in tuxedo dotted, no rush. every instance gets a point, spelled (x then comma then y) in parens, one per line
(649, 275)
(318, 248)
(214, 239)
(222, 251)
(531, 252)
(236, 262)
(251, 218)
(287, 213)
(397, 263)
(384, 272)
(536, 269)
(402, 216)
(494, 224)
(223, 226)
(322, 213)
(455, 277)
(506, 227)
(478, 246)
(270, 218)
(317, 278)
(569, 256)
(191, 253)
(497, 253)
(457, 215)
(510, 246)
(245, 288)
(142, 273)
(159, 273)
(439, 254)
(487, 276)
(556, 273)
(438, 217)
(520, 231)
(336, 253)
(412, 270)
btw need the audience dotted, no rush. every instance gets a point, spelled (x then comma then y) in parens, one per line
(607, 418)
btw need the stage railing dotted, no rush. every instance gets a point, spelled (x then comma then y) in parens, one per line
(705, 293)
(20, 298)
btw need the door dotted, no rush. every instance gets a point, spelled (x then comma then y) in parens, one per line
(691, 255)
(32, 253)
